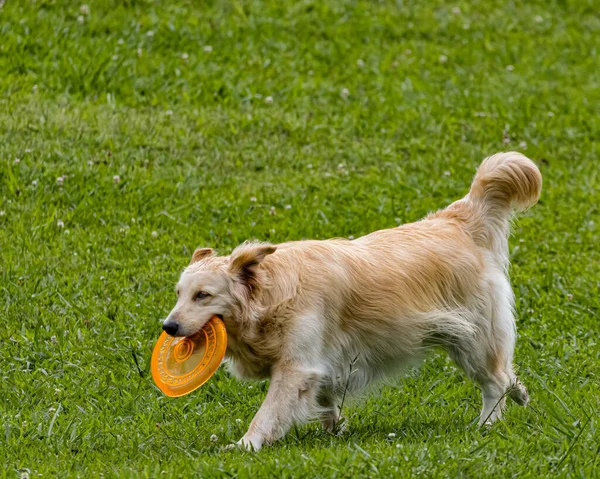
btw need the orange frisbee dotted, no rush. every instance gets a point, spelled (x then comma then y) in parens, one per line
(181, 365)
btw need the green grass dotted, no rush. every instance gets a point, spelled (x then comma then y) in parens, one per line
(203, 159)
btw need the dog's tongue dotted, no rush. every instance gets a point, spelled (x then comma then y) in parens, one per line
(181, 365)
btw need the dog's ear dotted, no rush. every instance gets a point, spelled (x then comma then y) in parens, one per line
(201, 253)
(245, 260)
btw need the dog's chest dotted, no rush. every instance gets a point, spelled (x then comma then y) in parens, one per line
(246, 361)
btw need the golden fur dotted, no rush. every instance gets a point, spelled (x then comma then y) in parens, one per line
(301, 312)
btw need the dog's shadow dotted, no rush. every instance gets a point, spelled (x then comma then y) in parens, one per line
(378, 426)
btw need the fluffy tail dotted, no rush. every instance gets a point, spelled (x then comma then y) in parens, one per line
(506, 182)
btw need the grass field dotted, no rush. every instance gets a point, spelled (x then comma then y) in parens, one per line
(133, 131)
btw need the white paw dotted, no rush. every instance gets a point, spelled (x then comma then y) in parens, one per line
(250, 443)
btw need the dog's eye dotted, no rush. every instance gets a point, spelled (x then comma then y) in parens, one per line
(200, 295)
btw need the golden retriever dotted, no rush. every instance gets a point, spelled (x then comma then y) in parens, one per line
(300, 313)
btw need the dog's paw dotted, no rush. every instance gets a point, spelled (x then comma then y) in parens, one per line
(334, 424)
(518, 393)
(249, 443)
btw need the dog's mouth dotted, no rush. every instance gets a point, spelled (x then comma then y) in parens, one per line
(199, 331)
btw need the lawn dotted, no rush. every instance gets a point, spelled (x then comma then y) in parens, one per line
(133, 131)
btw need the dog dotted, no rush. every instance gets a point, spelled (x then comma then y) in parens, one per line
(301, 313)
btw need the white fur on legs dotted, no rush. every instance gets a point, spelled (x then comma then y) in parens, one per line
(494, 400)
(291, 399)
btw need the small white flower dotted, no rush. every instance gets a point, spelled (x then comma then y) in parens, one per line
(408, 51)
(395, 64)
(2, 213)
(531, 311)
(57, 391)
(52, 409)
(154, 234)
(117, 179)
(341, 166)
(34, 183)
(392, 434)
(310, 73)
(81, 19)
(360, 63)
(60, 224)
(269, 100)
(67, 232)
(34, 88)
(139, 52)
(509, 68)
(214, 438)
(25, 473)
(185, 57)
(253, 199)
(120, 41)
(207, 49)
(84, 9)
(443, 58)
(456, 11)
(351, 237)
(539, 19)
(17, 161)
(238, 420)
(309, 166)
(569, 296)
(90, 163)
(288, 207)
(345, 93)
(250, 387)
(150, 33)
(272, 211)
(115, 58)
(446, 173)
(523, 145)
(60, 180)
(169, 112)
(550, 113)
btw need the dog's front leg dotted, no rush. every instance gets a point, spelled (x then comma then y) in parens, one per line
(290, 399)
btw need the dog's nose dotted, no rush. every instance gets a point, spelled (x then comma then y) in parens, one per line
(170, 328)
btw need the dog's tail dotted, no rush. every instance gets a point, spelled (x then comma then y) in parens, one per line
(504, 182)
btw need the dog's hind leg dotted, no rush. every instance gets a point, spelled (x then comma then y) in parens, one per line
(477, 363)
(487, 357)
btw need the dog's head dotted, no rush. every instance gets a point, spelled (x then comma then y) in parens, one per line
(216, 286)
